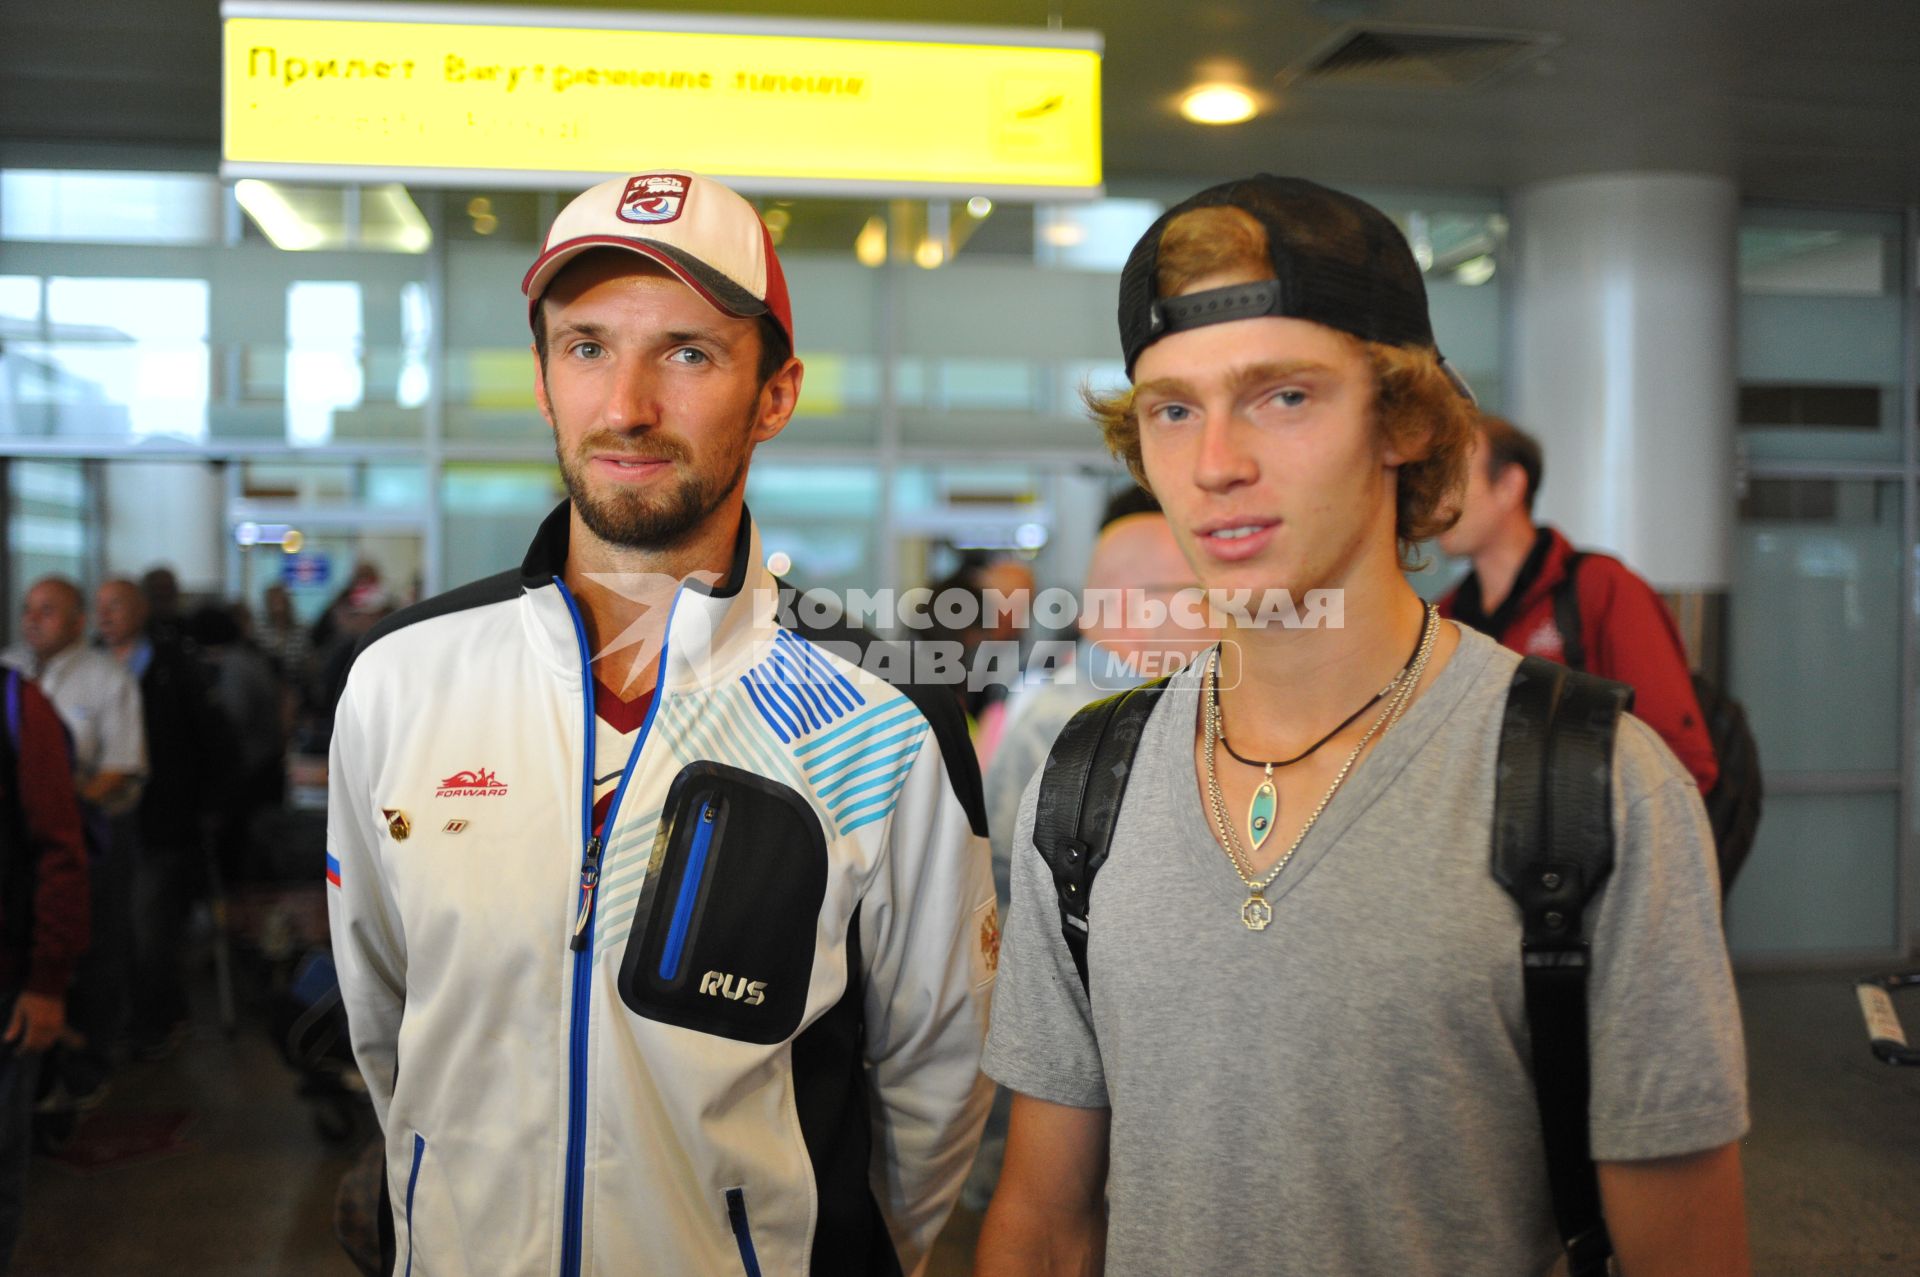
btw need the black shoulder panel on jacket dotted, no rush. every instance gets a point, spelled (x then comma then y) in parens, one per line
(935, 701)
(502, 587)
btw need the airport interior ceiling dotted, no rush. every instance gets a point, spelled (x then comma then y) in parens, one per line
(1797, 101)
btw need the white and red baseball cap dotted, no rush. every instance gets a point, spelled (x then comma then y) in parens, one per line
(707, 235)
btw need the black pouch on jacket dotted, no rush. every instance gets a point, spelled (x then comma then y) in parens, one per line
(724, 937)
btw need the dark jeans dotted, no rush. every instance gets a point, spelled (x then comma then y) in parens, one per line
(97, 1006)
(158, 888)
(18, 1072)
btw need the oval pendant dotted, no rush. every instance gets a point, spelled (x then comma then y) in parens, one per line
(1260, 813)
(1256, 913)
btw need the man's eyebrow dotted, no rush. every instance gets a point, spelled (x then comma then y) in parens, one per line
(1171, 386)
(1274, 370)
(581, 328)
(1239, 378)
(715, 335)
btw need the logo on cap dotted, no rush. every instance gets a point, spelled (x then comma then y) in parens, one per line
(653, 198)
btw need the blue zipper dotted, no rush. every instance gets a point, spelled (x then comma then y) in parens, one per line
(689, 892)
(581, 943)
(413, 1178)
(742, 1235)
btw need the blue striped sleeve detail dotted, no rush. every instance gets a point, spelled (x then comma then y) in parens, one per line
(819, 677)
(844, 693)
(794, 682)
(842, 688)
(819, 773)
(852, 799)
(839, 733)
(877, 760)
(778, 722)
(797, 689)
(782, 695)
(880, 806)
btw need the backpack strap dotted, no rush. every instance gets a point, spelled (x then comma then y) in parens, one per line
(1552, 848)
(1080, 792)
(1566, 613)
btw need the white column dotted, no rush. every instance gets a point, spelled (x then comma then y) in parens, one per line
(171, 513)
(1623, 365)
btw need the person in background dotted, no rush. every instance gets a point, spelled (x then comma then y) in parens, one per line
(281, 636)
(161, 589)
(1518, 567)
(363, 584)
(1137, 556)
(991, 592)
(43, 919)
(168, 840)
(249, 714)
(99, 702)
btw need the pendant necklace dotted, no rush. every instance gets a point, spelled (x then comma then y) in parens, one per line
(1264, 807)
(1256, 912)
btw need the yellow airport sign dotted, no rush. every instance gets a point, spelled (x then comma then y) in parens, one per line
(458, 96)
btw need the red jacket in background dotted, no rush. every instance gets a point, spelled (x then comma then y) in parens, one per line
(44, 905)
(1627, 632)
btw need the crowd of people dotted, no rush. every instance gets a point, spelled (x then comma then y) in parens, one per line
(144, 737)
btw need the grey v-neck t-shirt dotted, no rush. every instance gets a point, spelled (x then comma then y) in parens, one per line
(1349, 1091)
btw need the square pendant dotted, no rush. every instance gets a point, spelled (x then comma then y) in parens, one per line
(1256, 913)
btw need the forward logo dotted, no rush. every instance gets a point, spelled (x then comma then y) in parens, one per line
(478, 783)
(718, 984)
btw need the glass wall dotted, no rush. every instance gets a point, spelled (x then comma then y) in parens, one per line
(1821, 621)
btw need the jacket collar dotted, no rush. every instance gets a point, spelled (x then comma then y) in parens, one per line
(1545, 568)
(712, 632)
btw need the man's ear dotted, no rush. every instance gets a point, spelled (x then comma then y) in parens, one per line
(1510, 487)
(778, 398)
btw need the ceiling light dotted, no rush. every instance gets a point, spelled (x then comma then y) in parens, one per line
(779, 563)
(406, 227)
(276, 216)
(929, 254)
(778, 219)
(1064, 234)
(1475, 270)
(979, 206)
(1218, 104)
(870, 245)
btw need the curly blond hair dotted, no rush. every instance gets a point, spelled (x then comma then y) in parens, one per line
(1417, 410)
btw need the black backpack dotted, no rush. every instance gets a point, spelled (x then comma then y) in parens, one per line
(1552, 847)
(1733, 804)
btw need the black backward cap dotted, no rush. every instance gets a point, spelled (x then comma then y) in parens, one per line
(1337, 261)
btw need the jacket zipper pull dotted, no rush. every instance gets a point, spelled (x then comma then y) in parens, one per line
(589, 878)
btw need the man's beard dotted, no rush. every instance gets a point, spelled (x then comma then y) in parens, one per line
(665, 514)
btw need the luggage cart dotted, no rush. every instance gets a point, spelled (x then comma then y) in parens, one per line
(1884, 1030)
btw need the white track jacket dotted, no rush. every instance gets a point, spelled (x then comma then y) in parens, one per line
(737, 1033)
